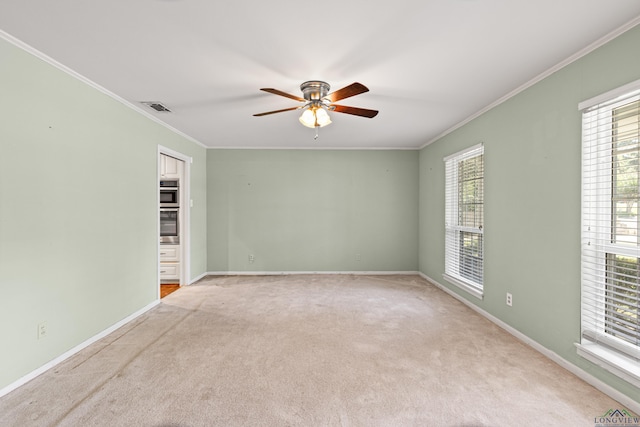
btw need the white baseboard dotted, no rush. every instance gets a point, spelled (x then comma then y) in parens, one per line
(590, 379)
(287, 273)
(195, 279)
(585, 376)
(42, 369)
(75, 350)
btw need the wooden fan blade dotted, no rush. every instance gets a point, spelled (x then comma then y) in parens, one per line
(347, 91)
(276, 111)
(362, 112)
(281, 93)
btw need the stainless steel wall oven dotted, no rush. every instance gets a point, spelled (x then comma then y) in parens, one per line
(169, 225)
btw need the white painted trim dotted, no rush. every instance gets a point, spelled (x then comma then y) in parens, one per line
(173, 153)
(583, 52)
(195, 279)
(588, 49)
(158, 280)
(472, 290)
(473, 151)
(288, 273)
(320, 148)
(33, 51)
(590, 379)
(618, 364)
(41, 370)
(185, 235)
(610, 96)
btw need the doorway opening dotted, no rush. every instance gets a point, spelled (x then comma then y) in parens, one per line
(174, 205)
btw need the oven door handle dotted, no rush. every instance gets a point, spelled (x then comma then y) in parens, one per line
(169, 209)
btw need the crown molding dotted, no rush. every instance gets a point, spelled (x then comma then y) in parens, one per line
(35, 52)
(582, 52)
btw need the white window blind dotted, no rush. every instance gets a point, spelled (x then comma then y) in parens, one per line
(464, 219)
(610, 226)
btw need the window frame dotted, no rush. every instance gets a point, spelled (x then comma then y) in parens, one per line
(453, 230)
(599, 234)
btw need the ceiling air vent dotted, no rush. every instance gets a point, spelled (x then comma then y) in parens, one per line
(157, 106)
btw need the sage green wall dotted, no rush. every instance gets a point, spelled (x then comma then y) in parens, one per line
(532, 200)
(301, 210)
(78, 211)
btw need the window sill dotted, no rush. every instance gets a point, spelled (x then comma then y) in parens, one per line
(473, 290)
(611, 361)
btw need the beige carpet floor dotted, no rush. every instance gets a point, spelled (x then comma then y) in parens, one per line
(318, 350)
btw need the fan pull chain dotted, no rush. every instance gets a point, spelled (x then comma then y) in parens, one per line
(317, 131)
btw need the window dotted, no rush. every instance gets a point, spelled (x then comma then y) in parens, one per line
(464, 219)
(610, 240)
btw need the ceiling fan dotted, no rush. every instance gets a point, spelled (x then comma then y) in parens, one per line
(318, 101)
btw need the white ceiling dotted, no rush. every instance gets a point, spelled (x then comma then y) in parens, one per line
(429, 64)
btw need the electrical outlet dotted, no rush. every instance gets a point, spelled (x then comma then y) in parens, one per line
(509, 299)
(358, 257)
(252, 258)
(42, 330)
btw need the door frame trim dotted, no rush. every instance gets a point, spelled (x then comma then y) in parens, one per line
(185, 224)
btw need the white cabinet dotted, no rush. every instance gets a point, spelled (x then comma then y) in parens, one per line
(170, 272)
(169, 253)
(170, 167)
(170, 263)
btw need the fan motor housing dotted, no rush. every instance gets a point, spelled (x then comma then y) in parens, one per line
(314, 90)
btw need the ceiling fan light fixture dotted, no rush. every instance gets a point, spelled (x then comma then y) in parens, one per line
(308, 119)
(318, 102)
(314, 117)
(322, 117)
